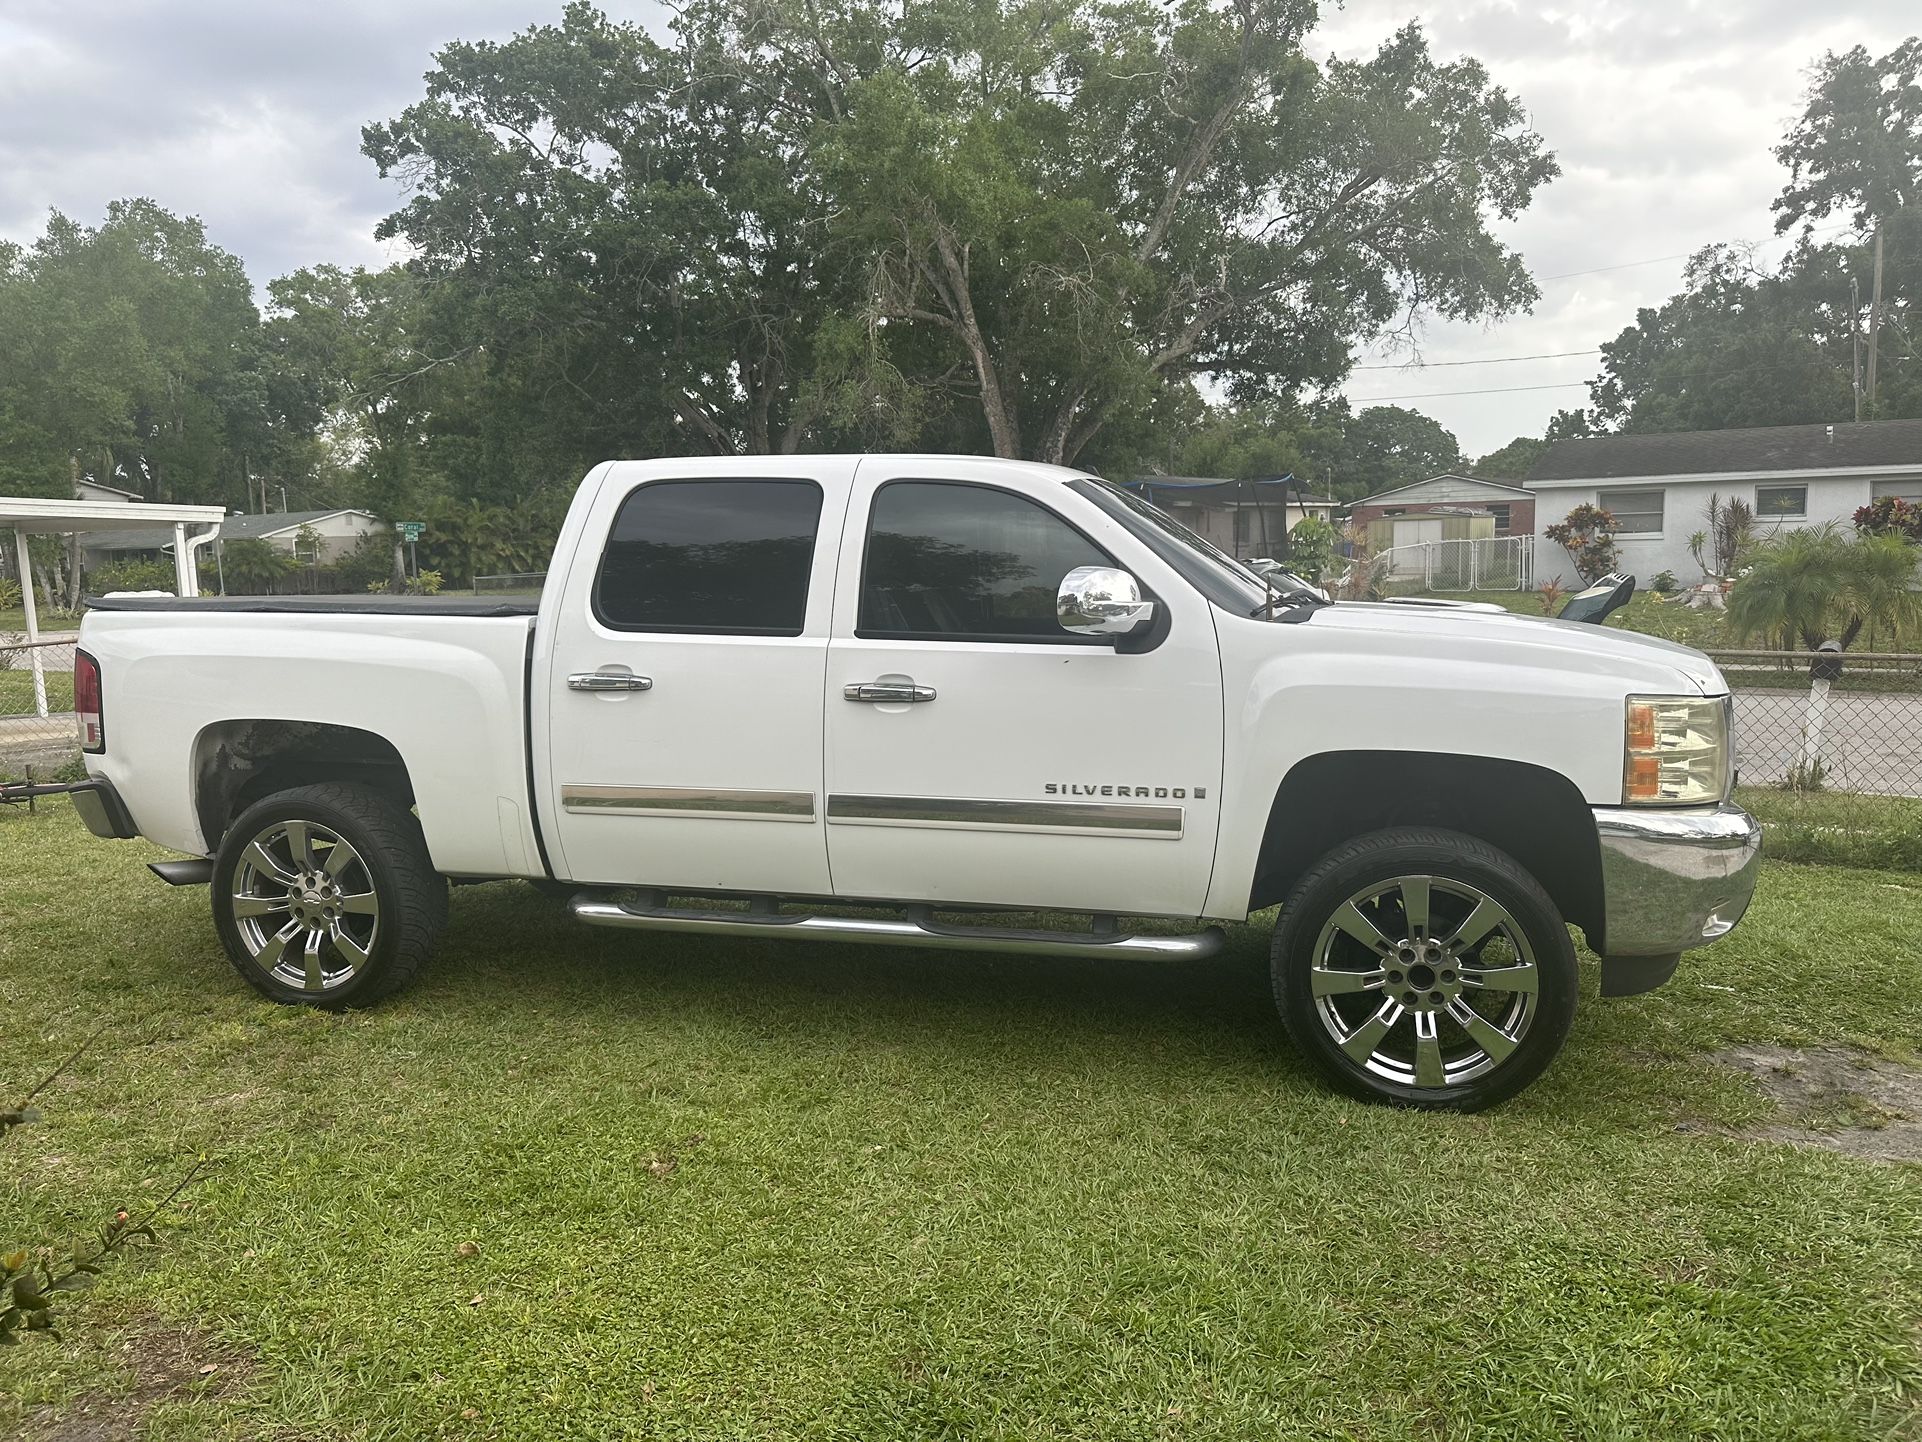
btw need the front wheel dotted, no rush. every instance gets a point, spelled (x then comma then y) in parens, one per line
(325, 895)
(1424, 968)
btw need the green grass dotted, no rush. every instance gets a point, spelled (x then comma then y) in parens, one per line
(1837, 827)
(934, 1195)
(16, 692)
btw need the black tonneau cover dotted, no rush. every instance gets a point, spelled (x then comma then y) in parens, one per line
(349, 605)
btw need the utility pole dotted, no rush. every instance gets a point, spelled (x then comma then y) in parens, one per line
(1875, 316)
(1855, 340)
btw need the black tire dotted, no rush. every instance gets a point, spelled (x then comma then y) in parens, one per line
(1355, 979)
(387, 859)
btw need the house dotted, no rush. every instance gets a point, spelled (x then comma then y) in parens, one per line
(337, 532)
(1658, 486)
(1415, 511)
(91, 490)
(1243, 518)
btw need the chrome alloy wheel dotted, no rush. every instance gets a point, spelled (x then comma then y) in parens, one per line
(304, 905)
(1425, 981)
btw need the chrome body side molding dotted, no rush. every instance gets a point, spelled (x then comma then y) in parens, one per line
(683, 802)
(979, 814)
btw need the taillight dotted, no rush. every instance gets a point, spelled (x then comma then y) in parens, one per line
(86, 702)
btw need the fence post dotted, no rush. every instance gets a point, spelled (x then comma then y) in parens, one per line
(1813, 716)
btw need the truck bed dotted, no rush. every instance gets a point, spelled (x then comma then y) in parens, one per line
(349, 605)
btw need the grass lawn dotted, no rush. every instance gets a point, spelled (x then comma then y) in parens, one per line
(744, 1190)
(16, 691)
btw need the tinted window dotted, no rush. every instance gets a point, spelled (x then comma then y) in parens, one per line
(710, 556)
(948, 560)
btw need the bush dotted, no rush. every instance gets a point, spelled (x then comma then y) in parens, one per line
(1665, 583)
(1587, 533)
(9, 595)
(1311, 549)
(132, 575)
(1891, 515)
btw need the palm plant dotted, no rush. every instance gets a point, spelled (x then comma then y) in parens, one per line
(1814, 583)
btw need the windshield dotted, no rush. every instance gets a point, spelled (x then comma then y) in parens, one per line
(1218, 575)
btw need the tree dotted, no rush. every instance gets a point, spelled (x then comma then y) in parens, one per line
(1857, 146)
(1512, 462)
(251, 566)
(1006, 226)
(1389, 446)
(1814, 583)
(1088, 206)
(132, 356)
(1587, 533)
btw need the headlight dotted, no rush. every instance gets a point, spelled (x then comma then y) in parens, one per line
(1675, 750)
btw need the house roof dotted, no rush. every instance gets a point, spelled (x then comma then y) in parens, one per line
(1761, 449)
(94, 485)
(1492, 486)
(233, 528)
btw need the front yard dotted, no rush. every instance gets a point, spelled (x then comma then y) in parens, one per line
(582, 1185)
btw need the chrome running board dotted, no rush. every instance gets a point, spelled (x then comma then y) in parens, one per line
(651, 913)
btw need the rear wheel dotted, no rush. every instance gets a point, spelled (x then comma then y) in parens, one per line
(325, 895)
(1424, 968)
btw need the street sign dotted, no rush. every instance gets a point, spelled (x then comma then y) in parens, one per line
(410, 530)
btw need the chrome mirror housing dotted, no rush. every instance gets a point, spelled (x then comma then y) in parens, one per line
(1101, 601)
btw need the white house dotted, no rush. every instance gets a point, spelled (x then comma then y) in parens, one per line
(1658, 486)
(337, 532)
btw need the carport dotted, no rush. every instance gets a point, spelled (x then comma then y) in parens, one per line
(32, 515)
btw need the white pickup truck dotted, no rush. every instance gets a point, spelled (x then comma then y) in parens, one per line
(760, 694)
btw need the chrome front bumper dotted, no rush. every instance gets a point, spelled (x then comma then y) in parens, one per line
(1672, 880)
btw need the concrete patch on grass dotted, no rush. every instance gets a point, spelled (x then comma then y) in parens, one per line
(1838, 1099)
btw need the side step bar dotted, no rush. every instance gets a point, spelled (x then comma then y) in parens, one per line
(918, 929)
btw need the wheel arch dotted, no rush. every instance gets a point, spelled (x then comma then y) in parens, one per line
(236, 763)
(1536, 815)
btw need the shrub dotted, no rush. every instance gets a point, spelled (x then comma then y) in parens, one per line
(132, 575)
(1550, 595)
(1311, 549)
(1665, 583)
(1890, 515)
(9, 595)
(1587, 533)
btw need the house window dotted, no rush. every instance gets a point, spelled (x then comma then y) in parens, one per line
(1781, 502)
(1910, 491)
(1636, 513)
(1499, 511)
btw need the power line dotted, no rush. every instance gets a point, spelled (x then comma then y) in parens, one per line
(1659, 259)
(1490, 391)
(1487, 361)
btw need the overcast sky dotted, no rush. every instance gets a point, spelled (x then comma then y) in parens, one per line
(247, 113)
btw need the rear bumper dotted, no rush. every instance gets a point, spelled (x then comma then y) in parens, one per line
(1671, 880)
(102, 809)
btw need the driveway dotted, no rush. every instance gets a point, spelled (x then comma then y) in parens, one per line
(1871, 741)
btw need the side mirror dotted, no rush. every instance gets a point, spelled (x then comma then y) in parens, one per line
(1101, 601)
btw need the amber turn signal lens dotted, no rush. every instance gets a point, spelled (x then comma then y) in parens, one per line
(1641, 727)
(1644, 778)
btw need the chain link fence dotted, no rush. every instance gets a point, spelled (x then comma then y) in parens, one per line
(1846, 722)
(1488, 563)
(37, 725)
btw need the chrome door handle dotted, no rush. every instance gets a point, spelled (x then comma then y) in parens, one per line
(886, 691)
(608, 681)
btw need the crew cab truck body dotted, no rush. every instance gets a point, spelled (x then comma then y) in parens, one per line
(758, 691)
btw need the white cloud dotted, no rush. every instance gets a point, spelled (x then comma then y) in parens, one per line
(1664, 116)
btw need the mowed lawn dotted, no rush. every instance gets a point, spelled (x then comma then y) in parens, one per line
(733, 1190)
(16, 692)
